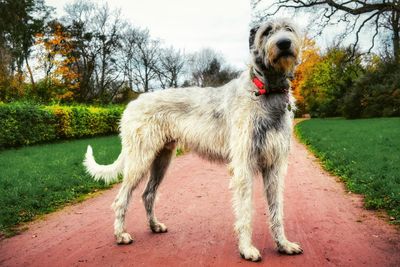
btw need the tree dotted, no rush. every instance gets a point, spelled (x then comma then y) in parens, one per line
(20, 21)
(141, 55)
(199, 63)
(329, 80)
(77, 20)
(56, 55)
(376, 93)
(309, 60)
(215, 75)
(380, 15)
(170, 67)
(96, 32)
(207, 69)
(108, 42)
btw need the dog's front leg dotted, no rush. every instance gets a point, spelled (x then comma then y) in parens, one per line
(273, 177)
(241, 186)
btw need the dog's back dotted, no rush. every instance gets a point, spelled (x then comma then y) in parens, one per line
(196, 118)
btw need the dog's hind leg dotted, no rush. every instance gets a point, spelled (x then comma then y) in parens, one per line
(158, 169)
(137, 164)
(273, 182)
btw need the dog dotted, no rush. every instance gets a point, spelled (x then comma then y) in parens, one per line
(246, 123)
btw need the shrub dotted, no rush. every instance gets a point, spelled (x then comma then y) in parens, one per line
(375, 94)
(24, 124)
(329, 80)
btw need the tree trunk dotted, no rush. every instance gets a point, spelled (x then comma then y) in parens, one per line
(30, 73)
(396, 35)
(103, 71)
(146, 80)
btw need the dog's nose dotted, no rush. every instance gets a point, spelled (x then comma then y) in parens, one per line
(284, 44)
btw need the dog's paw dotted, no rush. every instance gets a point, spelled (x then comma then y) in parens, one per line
(290, 248)
(124, 239)
(251, 254)
(158, 228)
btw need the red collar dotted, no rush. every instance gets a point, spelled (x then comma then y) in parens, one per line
(262, 90)
(260, 85)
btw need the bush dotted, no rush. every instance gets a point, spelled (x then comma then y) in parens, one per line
(25, 124)
(376, 93)
(329, 80)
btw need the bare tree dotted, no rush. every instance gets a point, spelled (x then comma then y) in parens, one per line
(141, 57)
(170, 67)
(78, 19)
(200, 62)
(378, 16)
(96, 32)
(107, 44)
(208, 68)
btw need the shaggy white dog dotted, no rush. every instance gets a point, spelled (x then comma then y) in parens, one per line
(246, 123)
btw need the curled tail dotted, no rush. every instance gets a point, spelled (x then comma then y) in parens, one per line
(107, 173)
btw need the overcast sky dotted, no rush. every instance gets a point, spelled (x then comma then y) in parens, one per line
(222, 25)
(190, 24)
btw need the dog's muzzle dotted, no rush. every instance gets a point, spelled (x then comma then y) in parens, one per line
(284, 46)
(286, 53)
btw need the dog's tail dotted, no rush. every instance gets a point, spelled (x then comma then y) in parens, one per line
(107, 173)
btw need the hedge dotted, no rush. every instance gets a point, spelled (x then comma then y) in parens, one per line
(25, 124)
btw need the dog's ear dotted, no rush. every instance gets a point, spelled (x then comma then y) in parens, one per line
(252, 36)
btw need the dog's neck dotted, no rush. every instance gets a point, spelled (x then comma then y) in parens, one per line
(273, 79)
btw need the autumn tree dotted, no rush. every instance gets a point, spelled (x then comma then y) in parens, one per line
(58, 61)
(309, 60)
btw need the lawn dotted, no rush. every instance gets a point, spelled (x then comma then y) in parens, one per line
(39, 179)
(364, 153)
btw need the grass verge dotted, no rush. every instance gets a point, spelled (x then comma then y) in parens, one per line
(40, 179)
(364, 153)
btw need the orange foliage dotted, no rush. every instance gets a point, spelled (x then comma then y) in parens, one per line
(309, 58)
(59, 50)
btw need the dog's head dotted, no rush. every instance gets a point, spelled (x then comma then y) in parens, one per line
(276, 45)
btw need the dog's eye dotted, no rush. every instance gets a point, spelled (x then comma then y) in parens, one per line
(267, 31)
(289, 29)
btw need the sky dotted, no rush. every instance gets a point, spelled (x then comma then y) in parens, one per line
(222, 25)
(191, 25)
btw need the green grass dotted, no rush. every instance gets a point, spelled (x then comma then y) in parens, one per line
(364, 153)
(39, 179)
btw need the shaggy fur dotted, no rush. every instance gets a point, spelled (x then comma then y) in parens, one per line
(226, 124)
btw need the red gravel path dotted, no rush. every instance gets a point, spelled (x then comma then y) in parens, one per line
(194, 202)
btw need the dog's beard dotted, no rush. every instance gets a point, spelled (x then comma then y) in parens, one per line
(284, 61)
(280, 61)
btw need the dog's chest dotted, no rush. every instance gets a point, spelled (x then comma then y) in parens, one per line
(271, 130)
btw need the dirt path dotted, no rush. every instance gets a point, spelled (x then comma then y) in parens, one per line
(194, 202)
